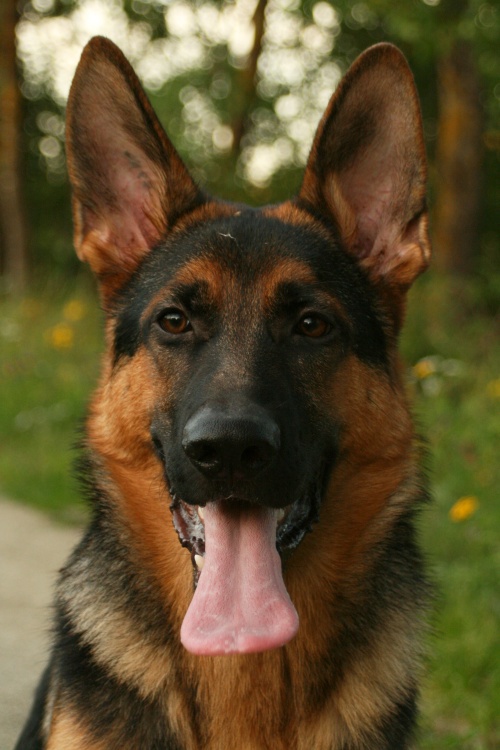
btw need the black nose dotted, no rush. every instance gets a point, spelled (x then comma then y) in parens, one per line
(231, 443)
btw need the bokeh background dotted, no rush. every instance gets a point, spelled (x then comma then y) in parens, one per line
(240, 87)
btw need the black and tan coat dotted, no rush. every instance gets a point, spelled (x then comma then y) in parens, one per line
(251, 365)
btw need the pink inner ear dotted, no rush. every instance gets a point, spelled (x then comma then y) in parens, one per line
(381, 191)
(367, 166)
(129, 184)
(129, 217)
(374, 187)
(371, 208)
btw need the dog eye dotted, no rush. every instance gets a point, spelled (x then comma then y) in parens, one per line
(313, 326)
(174, 322)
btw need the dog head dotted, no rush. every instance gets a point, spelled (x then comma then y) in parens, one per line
(251, 350)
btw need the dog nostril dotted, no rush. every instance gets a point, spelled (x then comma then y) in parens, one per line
(215, 457)
(237, 447)
(253, 457)
(204, 454)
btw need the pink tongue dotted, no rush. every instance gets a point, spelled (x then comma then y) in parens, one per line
(240, 604)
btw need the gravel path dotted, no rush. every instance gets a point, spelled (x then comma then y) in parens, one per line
(32, 549)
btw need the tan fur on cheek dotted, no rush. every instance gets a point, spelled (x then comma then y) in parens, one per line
(122, 409)
(359, 400)
(118, 429)
(144, 505)
(364, 496)
(379, 446)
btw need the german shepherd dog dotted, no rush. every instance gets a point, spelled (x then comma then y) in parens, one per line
(250, 577)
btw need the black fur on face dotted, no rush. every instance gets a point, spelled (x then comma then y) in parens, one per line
(246, 317)
(249, 244)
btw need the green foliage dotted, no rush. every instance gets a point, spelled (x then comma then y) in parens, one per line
(456, 385)
(48, 360)
(193, 56)
(49, 347)
(48, 354)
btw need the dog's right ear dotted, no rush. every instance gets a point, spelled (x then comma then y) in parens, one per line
(129, 184)
(367, 171)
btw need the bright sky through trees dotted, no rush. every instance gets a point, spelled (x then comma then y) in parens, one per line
(296, 73)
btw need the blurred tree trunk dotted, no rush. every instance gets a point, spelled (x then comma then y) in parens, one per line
(246, 81)
(13, 242)
(458, 162)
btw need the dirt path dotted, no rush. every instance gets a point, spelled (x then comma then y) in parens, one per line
(32, 549)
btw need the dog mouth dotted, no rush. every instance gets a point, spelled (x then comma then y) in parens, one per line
(240, 603)
(293, 522)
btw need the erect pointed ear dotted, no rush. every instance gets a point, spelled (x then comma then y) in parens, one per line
(129, 184)
(367, 168)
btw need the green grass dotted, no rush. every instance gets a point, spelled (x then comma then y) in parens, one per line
(49, 347)
(457, 407)
(49, 364)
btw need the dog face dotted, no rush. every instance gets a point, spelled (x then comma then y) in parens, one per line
(249, 349)
(247, 331)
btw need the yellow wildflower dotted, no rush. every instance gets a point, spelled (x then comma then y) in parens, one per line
(493, 388)
(464, 508)
(61, 336)
(424, 368)
(74, 310)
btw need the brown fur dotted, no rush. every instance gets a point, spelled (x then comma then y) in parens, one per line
(68, 732)
(237, 692)
(331, 687)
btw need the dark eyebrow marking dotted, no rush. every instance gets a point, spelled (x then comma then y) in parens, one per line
(291, 295)
(197, 295)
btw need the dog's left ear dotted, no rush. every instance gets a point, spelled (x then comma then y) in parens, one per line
(367, 169)
(129, 184)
